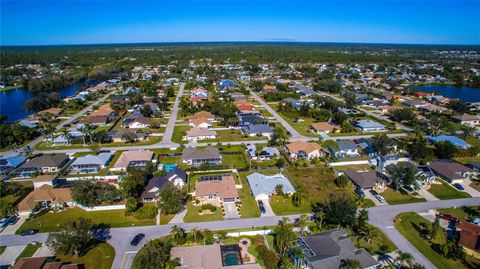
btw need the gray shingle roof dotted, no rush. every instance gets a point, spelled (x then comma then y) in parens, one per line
(50, 160)
(206, 153)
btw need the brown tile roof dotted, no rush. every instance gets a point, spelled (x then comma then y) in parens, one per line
(96, 119)
(143, 120)
(450, 170)
(307, 147)
(198, 121)
(45, 193)
(469, 235)
(194, 132)
(224, 188)
(30, 263)
(133, 155)
(324, 126)
(202, 114)
(103, 110)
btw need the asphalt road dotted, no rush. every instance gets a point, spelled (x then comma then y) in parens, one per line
(381, 216)
(167, 136)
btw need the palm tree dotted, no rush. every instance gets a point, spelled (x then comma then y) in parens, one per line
(404, 258)
(195, 233)
(177, 233)
(302, 222)
(351, 264)
(66, 134)
(298, 255)
(319, 215)
(84, 132)
(368, 232)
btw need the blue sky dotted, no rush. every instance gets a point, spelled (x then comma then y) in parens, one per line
(43, 22)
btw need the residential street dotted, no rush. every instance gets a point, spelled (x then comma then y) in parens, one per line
(167, 136)
(381, 216)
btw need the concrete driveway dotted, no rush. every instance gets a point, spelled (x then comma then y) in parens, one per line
(231, 211)
(11, 229)
(466, 185)
(427, 195)
(10, 254)
(268, 209)
(369, 195)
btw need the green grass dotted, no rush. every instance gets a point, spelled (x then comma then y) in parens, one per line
(150, 141)
(9, 88)
(249, 208)
(406, 224)
(376, 242)
(444, 191)
(302, 127)
(99, 257)
(53, 221)
(2, 249)
(398, 197)
(284, 206)
(29, 251)
(194, 216)
(465, 160)
(236, 161)
(166, 218)
(461, 213)
(179, 132)
(357, 167)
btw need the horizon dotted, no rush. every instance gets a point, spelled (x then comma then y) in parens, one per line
(64, 23)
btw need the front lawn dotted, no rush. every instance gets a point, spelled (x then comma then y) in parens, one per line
(166, 218)
(400, 197)
(408, 223)
(179, 132)
(462, 212)
(373, 247)
(99, 257)
(193, 214)
(53, 221)
(444, 191)
(29, 251)
(303, 127)
(284, 206)
(231, 136)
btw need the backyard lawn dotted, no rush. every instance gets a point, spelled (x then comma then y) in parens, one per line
(444, 191)
(231, 136)
(236, 161)
(193, 214)
(99, 257)
(52, 221)
(284, 206)
(398, 197)
(249, 208)
(407, 223)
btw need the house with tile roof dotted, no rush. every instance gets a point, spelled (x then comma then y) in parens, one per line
(451, 171)
(90, 163)
(303, 150)
(47, 195)
(216, 191)
(325, 127)
(47, 163)
(469, 235)
(137, 158)
(195, 134)
(466, 119)
(367, 180)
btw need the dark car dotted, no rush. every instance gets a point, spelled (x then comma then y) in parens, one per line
(262, 209)
(260, 203)
(360, 193)
(458, 186)
(28, 232)
(12, 220)
(447, 217)
(137, 239)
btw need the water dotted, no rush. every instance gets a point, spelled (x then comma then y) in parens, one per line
(463, 94)
(11, 102)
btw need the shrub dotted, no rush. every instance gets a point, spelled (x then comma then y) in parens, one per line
(146, 212)
(210, 207)
(268, 257)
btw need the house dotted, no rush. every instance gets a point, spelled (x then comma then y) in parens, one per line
(48, 196)
(303, 150)
(30, 123)
(345, 148)
(469, 235)
(216, 191)
(131, 90)
(48, 163)
(414, 104)
(366, 180)
(296, 103)
(136, 122)
(305, 91)
(466, 119)
(133, 158)
(53, 112)
(90, 163)
(104, 110)
(199, 93)
(8, 164)
(227, 83)
(153, 188)
(238, 96)
(177, 176)
(248, 119)
(458, 142)
(195, 134)
(267, 153)
(369, 126)
(97, 120)
(384, 161)
(43, 263)
(451, 171)
(330, 249)
(425, 174)
(325, 127)
(263, 186)
(202, 119)
(474, 165)
(244, 106)
(258, 130)
(197, 157)
(210, 257)
(119, 136)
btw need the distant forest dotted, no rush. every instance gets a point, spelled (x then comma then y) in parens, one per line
(252, 53)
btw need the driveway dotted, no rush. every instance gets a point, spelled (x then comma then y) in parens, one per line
(11, 229)
(268, 209)
(466, 185)
(427, 195)
(369, 195)
(231, 211)
(10, 254)
(178, 218)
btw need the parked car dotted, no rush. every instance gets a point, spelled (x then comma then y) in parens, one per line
(262, 209)
(28, 232)
(458, 186)
(3, 222)
(380, 198)
(260, 203)
(12, 220)
(360, 193)
(447, 217)
(373, 192)
(137, 239)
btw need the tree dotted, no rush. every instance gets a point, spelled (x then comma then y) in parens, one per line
(196, 233)
(178, 234)
(419, 151)
(404, 258)
(350, 100)
(283, 238)
(347, 127)
(132, 185)
(383, 145)
(90, 193)
(467, 130)
(319, 217)
(404, 114)
(155, 255)
(368, 232)
(435, 228)
(303, 222)
(146, 111)
(361, 221)
(402, 174)
(73, 238)
(351, 264)
(171, 199)
(131, 205)
(339, 209)
(279, 136)
(342, 181)
(279, 190)
(298, 196)
(339, 117)
(445, 149)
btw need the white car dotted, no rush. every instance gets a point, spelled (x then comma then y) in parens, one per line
(380, 198)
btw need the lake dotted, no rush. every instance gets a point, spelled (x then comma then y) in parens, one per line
(464, 94)
(11, 102)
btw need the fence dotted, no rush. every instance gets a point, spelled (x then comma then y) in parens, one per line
(102, 208)
(348, 163)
